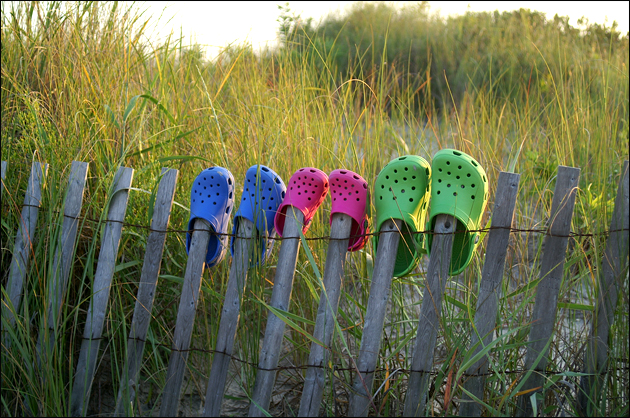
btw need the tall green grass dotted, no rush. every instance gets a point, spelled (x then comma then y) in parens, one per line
(81, 82)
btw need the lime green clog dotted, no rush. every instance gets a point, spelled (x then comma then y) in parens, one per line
(402, 191)
(459, 187)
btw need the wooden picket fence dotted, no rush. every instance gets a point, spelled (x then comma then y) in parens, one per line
(541, 333)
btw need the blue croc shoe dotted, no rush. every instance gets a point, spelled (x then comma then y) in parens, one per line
(212, 199)
(263, 192)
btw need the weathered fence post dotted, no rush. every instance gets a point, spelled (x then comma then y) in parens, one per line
(23, 244)
(326, 313)
(3, 174)
(490, 289)
(243, 244)
(551, 271)
(62, 262)
(146, 290)
(614, 265)
(375, 317)
(280, 299)
(430, 311)
(95, 320)
(185, 317)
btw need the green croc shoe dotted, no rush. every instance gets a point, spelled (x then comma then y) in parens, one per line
(402, 191)
(459, 188)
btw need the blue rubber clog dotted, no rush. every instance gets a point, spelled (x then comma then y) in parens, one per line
(263, 192)
(212, 199)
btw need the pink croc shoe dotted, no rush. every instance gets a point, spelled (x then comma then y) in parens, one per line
(349, 192)
(306, 191)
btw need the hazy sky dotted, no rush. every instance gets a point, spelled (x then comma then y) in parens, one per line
(218, 23)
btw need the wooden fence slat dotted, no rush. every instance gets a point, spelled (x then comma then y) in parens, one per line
(146, 289)
(315, 379)
(23, 242)
(280, 299)
(3, 174)
(430, 311)
(613, 267)
(375, 317)
(185, 317)
(551, 271)
(243, 244)
(100, 292)
(490, 288)
(63, 256)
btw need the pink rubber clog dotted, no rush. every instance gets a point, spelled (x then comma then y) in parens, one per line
(349, 194)
(306, 191)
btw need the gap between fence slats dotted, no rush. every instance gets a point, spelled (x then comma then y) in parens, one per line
(614, 265)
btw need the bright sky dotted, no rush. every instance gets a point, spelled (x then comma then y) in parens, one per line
(218, 23)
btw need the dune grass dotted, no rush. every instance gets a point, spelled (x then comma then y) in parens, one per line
(80, 81)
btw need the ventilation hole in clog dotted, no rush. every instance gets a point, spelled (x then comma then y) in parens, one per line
(356, 177)
(335, 199)
(381, 197)
(229, 181)
(404, 178)
(271, 198)
(301, 169)
(457, 177)
(472, 185)
(440, 170)
(463, 187)
(358, 199)
(325, 184)
(424, 206)
(448, 173)
(448, 163)
(439, 180)
(264, 169)
(252, 194)
(413, 187)
(438, 192)
(243, 199)
(457, 153)
(227, 210)
(269, 208)
(199, 183)
(299, 194)
(402, 191)
(448, 185)
(468, 175)
(344, 199)
(343, 172)
(390, 189)
(352, 185)
(357, 192)
(202, 201)
(277, 180)
(309, 198)
(269, 189)
(454, 193)
(395, 171)
(484, 178)
(365, 186)
(313, 192)
(282, 195)
(382, 186)
(459, 167)
(413, 177)
(410, 199)
(474, 163)
(472, 197)
(387, 177)
(313, 171)
(395, 181)
(193, 200)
